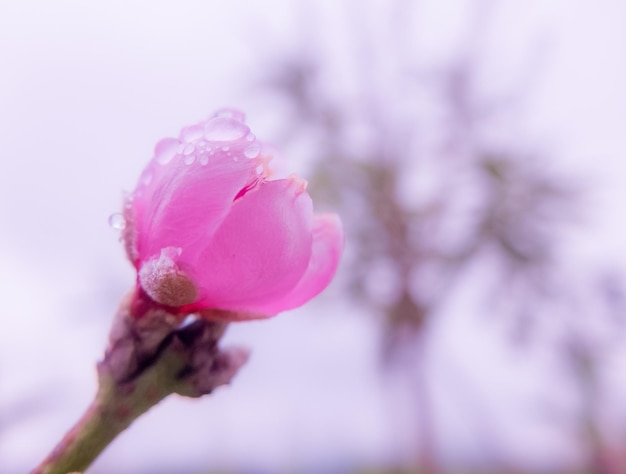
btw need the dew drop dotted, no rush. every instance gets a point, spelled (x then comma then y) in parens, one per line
(225, 148)
(189, 159)
(223, 129)
(165, 150)
(117, 221)
(204, 160)
(189, 134)
(259, 169)
(189, 149)
(250, 137)
(252, 151)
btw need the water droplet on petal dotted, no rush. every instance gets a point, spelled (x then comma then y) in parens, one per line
(189, 149)
(189, 134)
(250, 137)
(189, 159)
(225, 148)
(166, 150)
(204, 160)
(117, 221)
(222, 129)
(252, 151)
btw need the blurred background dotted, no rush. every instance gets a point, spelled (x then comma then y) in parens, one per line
(475, 151)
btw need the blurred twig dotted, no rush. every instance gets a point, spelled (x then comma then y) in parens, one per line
(497, 205)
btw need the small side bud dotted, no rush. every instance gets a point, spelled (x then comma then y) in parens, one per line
(164, 282)
(211, 368)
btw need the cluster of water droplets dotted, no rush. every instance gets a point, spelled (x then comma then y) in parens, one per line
(224, 133)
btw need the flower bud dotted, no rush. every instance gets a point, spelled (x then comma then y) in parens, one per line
(208, 229)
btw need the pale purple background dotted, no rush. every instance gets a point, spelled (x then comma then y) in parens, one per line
(86, 90)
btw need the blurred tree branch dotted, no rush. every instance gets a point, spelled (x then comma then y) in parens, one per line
(492, 203)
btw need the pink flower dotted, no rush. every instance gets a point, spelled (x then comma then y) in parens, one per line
(207, 229)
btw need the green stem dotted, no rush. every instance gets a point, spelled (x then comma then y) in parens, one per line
(85, 441)
(115, 407)
(149, 357)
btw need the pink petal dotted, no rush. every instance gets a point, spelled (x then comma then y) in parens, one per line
(260, 251)
(182, 202)
(328, 241)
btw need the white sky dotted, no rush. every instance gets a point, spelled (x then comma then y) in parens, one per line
(87, 89)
